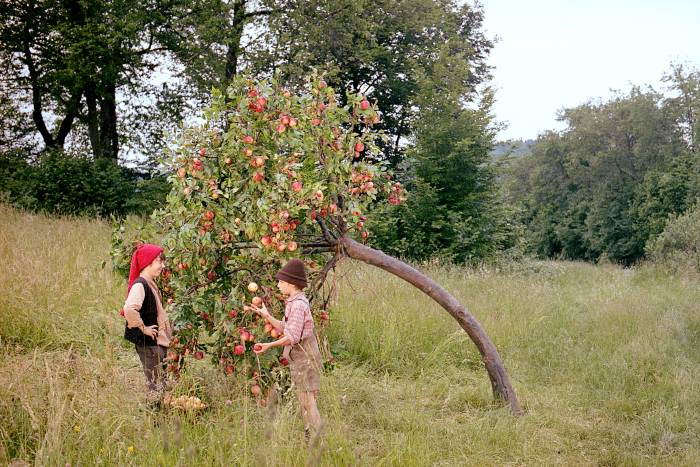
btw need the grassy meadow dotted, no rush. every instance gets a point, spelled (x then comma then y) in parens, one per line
(605, 361)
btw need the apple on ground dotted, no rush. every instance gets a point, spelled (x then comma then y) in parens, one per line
(199, 355)
(230, 369)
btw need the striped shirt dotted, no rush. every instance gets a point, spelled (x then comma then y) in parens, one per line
(298, 323)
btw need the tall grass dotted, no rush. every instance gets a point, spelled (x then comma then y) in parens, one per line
(605, 361)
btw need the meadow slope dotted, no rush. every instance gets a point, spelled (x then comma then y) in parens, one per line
(605, 361)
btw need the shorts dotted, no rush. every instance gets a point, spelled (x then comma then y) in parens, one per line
(306, 364)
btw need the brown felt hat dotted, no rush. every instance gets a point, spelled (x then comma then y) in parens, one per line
(293, 272)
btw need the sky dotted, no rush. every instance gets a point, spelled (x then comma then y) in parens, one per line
(555, 54)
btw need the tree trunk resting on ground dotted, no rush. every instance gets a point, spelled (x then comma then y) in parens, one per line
(500, 383)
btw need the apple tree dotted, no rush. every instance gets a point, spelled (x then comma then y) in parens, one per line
(271, 174)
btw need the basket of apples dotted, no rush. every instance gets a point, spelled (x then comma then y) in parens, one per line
(186, 403)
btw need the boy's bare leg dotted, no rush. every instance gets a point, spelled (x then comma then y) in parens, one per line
(309, 411)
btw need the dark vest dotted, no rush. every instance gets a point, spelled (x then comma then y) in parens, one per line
(149, 315)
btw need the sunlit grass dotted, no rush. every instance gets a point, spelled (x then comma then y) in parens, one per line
(605, 361)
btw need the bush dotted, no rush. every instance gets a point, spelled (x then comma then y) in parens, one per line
(78, 185)
(679, 243)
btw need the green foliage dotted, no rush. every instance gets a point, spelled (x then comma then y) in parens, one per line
(454, 208)
(678, 246)
(606, 185)
(65, 184)
(392, 51)
(267, 175)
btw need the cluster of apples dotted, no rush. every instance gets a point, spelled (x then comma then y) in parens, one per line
(184, 402)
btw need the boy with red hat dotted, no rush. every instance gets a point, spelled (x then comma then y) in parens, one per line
(299, 340)
(147, 325)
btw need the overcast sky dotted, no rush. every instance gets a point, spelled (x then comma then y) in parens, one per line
(559, 53)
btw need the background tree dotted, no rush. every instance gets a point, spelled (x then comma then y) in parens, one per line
(607, 184)
(386, 50)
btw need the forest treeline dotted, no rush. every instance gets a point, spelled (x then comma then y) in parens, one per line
(608, 184)
(90, 89)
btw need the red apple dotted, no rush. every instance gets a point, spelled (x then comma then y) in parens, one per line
(209, 215)
(255, 389)
(267, 328)
(359, 147)
(181, 173)
(287, 94)
(170, 301)
(296, 186)
(228, 160)
(199, 355)
(211, 275)
(257, 177)
(248, 139)
(266, 240)
(292, 246)
(274, 333)
(232, 313)
(239, 349)
(324, 315)
(285, 120)
(281, 128)
(230, 369)
(319, 194)
(316, 121)
(253, 92)
(257, 301)
(248, 152)
(187, 190)
(322, 84)
(262, 101)
(257, 347)
(284, 362)
(364, 105)
(245, 335)
(292, 122)
(281, 246)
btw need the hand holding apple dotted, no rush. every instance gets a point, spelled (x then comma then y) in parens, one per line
(260, 310)
(261, 348)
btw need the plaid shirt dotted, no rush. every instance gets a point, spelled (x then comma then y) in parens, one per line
(298, 323)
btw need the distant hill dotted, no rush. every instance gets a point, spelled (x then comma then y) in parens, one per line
(521, 148)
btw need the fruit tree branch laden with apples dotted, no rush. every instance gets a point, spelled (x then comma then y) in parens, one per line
(270, 175)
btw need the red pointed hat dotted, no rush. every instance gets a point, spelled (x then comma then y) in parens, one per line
(143, 256)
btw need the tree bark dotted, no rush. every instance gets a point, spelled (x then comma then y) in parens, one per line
(500, 383)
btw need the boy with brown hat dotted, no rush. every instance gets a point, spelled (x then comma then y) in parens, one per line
(299, 340)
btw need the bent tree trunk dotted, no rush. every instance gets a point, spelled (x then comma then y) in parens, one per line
(500, 383)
